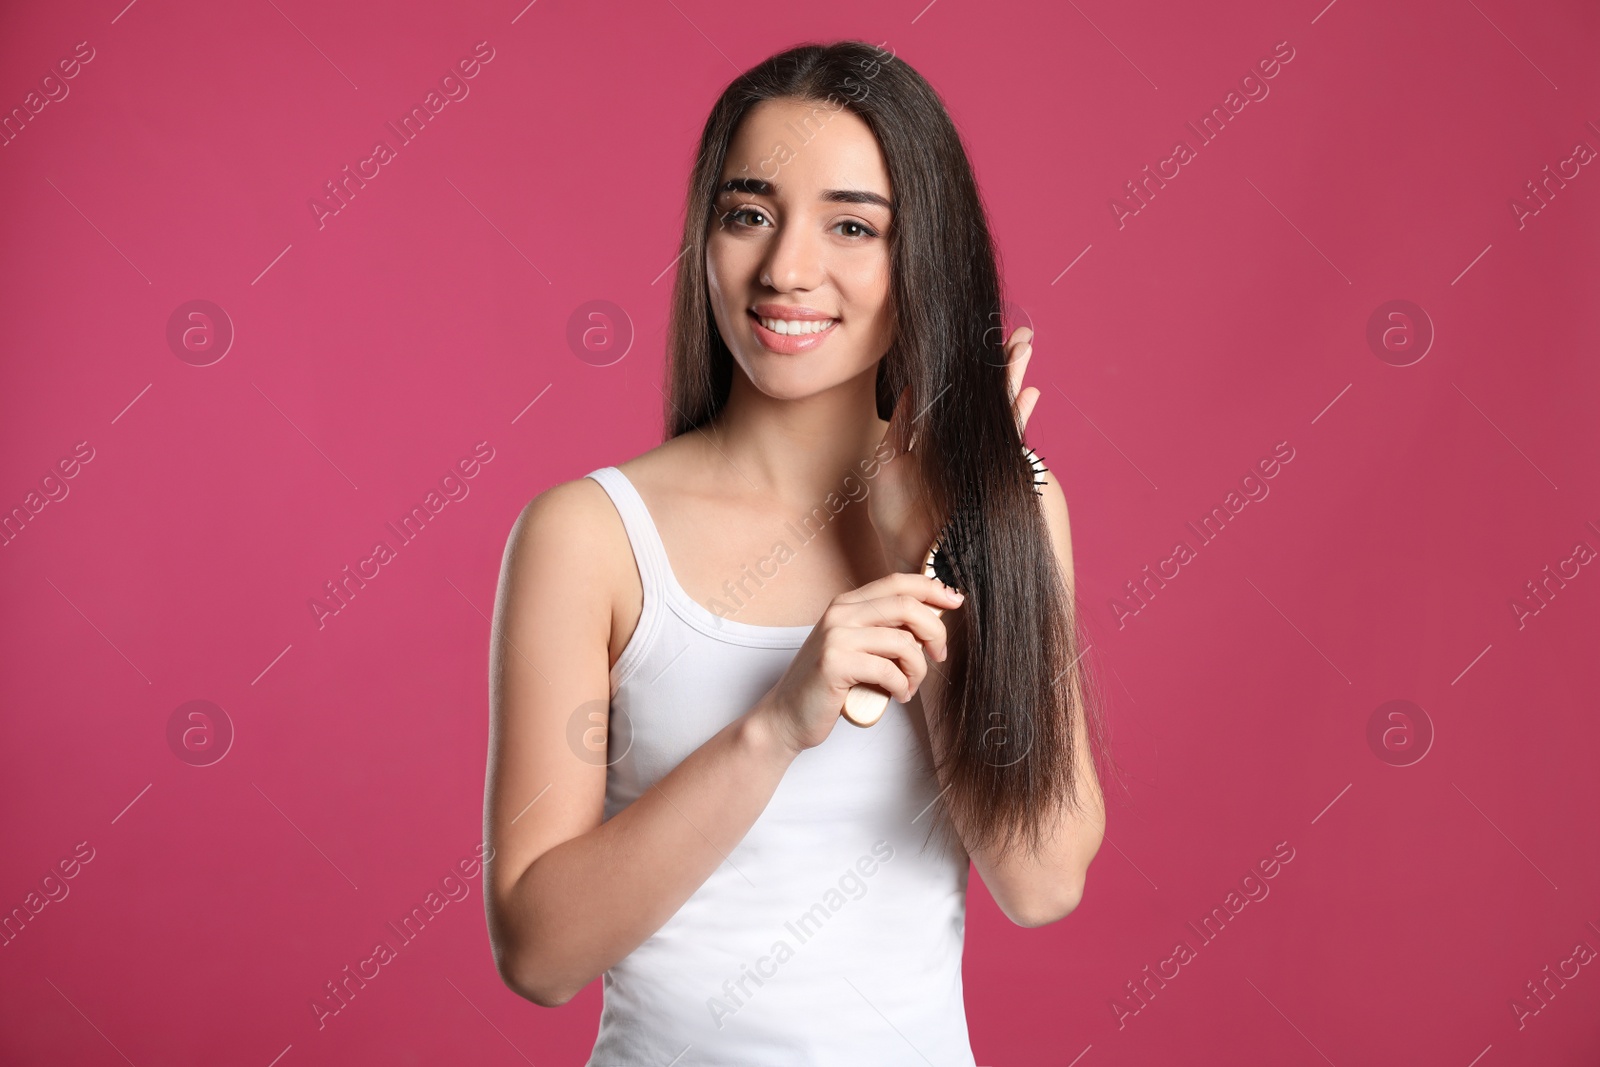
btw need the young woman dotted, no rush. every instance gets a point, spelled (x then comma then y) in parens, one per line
(672, 800)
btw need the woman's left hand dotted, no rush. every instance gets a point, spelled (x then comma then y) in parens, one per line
(904, 528)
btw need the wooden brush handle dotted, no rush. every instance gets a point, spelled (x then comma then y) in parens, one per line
(865, 704)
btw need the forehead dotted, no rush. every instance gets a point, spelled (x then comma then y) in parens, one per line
(800, 148)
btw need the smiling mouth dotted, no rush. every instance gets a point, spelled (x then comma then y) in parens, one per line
(806, 337)
(793, 327)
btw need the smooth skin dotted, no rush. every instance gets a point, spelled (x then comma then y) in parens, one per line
(569, 895)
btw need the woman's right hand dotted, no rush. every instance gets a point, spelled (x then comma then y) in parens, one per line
(874, 634)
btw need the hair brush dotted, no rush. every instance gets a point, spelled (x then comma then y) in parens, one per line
(865, 704)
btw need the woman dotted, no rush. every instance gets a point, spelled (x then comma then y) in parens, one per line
(672, 801)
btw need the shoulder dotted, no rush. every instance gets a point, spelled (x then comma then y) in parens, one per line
(1053, 499)
(566, 543)
(567, 516)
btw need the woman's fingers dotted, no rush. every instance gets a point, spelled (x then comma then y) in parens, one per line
(1022, 400)
(897, 657)
(1018, 351)
(903, 603)
(1025, 406)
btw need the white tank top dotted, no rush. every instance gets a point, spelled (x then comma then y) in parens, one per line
(830, 935)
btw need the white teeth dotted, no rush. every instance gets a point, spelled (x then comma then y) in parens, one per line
(797, 326)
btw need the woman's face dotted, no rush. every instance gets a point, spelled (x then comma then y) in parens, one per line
(803, 236)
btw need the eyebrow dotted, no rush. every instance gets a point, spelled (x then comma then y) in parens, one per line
(761, 187)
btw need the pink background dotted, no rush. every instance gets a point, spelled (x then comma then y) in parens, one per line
(375, 351)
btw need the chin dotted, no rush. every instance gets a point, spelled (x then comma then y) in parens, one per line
(791, 382)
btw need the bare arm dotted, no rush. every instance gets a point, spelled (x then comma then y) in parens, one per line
(1035, 888)
(569, 896)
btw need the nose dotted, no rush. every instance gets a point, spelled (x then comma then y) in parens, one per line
(793, 259)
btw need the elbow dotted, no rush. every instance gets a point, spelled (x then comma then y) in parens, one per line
(548, 999)
(529, 981)
(526, 972)
(523, 970)
(1044, 912)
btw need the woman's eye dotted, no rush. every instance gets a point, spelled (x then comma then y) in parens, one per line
(737, 214)
(864, 230)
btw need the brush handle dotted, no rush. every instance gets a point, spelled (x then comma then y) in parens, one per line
(865, 704)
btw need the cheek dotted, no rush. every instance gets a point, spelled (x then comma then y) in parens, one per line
(868, 287)
(719, 283)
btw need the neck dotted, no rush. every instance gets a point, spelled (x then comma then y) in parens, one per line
(796, 451)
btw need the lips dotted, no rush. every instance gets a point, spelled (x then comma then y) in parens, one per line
(789, 344)
(787, 311)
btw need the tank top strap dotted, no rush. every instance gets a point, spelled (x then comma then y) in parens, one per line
(648, 550)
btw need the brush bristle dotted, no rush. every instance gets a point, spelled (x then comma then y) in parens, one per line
(1036, 461)
(955, 543)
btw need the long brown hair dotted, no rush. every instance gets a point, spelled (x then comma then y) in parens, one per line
(1014, 675)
